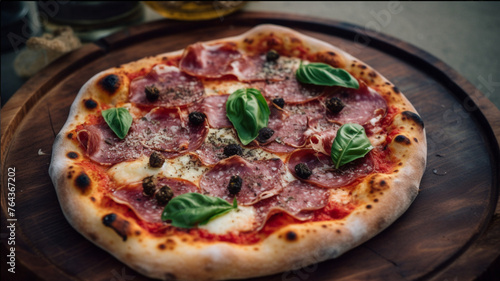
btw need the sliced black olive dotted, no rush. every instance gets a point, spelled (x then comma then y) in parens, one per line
(196, 118)
(279, 102)
(264, 134)
(335, 105)
(164, 195)
(156, 160)
(272, 56)
(234, 185)
(148, 186)
(302, 171)
(152, 93)
(233, 149)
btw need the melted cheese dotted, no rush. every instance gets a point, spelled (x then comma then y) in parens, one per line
(185, 167)
(241, 219)
(214, 87)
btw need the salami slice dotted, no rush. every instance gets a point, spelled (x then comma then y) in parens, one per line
(214, 108)
(166, 86)
(258, 68)
(260, 179)
(291, 90)
(297, 199)
(209, 61)
(161, 129)
(323, 169)
(147, 207)
(321, 134)
(291, 124)
(361, 105)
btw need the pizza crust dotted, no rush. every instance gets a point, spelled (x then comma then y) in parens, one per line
(382, 198)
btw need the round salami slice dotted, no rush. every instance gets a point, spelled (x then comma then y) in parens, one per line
(361, 106)
(259, 68)
(161, 129)
(321, 134)
(291, 90)
(214, 108)
(323, 169)
(103, 146)
(147, 207)
(291, 124)
(259, 179)
(297, 199)
(166, 86)
(211, 61)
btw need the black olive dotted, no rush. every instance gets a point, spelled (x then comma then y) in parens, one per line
(335, 105)
(233, 149)
(196, 118)
(164, 195)
(272, 56)
(152, 93)
(234, 185)
(156, 160)
(264, 134)
(280, 102)
(302, 171)
(148, 186)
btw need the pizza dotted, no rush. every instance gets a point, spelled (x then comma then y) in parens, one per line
(238, 157)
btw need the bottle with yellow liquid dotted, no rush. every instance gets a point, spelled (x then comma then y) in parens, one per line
(195, 10)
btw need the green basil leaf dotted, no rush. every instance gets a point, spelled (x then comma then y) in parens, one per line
(350, 144)
(119, 120)
(325, 75)
(191, 209)
(247, 109)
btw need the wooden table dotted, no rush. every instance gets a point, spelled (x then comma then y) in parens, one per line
(451, 232)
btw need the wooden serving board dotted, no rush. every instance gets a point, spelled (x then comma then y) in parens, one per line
(451, 232)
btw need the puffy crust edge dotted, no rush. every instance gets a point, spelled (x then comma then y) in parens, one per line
(380, 204)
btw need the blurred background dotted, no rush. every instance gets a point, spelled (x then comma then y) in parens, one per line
(464, 35)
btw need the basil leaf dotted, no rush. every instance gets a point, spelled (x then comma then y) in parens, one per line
(350, 144)
(247, 109)
(119, 120)
(190, 209)
(325, 75)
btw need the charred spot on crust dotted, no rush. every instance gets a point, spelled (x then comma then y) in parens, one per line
(70, 136)
(328, 58)
(291, 236)
(162, 246)
(110, 83)
(395, 89)
(90, 104)
(72, 155)
(413, 116)
(368, 206)
(402, 139)
(372, 74)
(376, 185)
(362, 66)
(119, 225)
(415, 139)
(82, 181)
(92, 198)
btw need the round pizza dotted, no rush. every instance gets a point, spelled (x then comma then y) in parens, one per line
(238, 157)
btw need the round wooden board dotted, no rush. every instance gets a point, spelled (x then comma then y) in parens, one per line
(451, 232)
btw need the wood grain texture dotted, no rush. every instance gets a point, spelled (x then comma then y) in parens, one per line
(450, 232)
